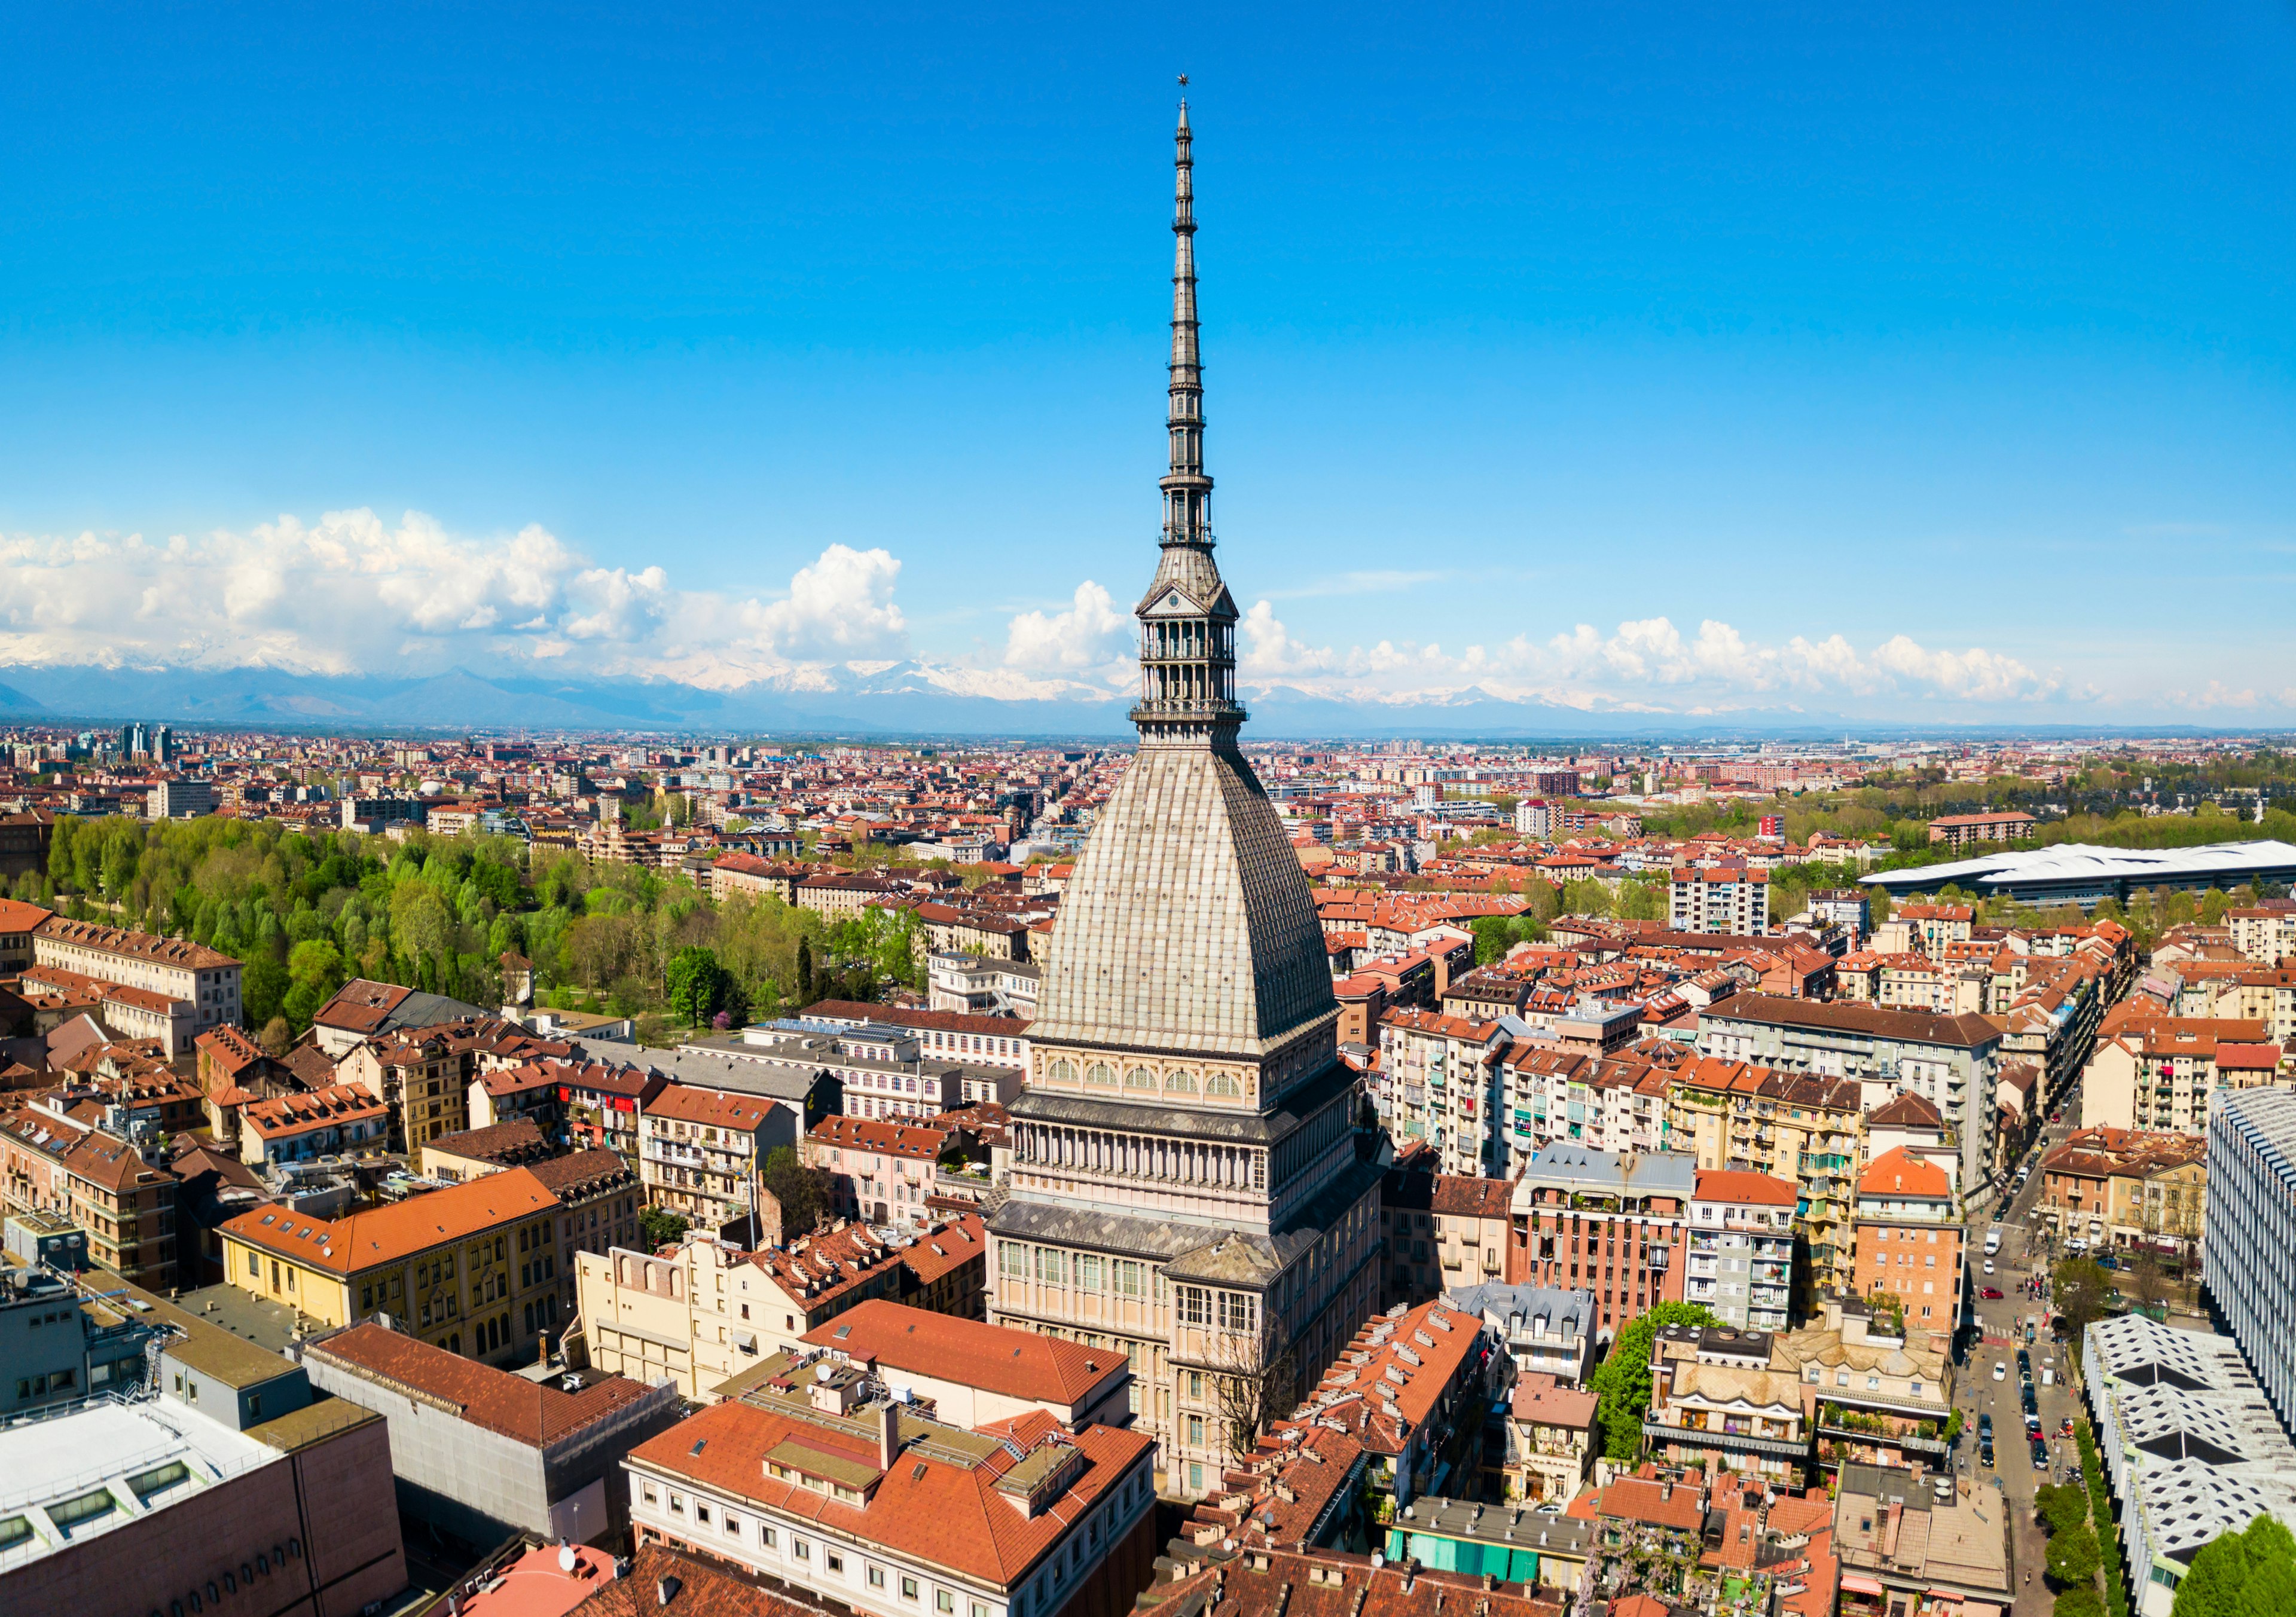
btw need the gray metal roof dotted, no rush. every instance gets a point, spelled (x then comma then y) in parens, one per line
(1609, 1173)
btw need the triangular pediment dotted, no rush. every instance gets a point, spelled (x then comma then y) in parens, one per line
(1168, 600)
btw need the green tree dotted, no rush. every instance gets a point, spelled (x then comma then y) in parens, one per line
(805, 971)
(2081, 1288)
(2073, 1556)
(698, 984)
(2250, 1573)
(803, 1192)
(1622, 1384)
(659, 1227)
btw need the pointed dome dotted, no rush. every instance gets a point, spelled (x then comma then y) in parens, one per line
(1187, 925)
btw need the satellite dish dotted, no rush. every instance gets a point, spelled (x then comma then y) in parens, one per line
(567, 1559)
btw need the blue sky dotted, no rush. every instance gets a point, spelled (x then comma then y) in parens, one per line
(1934, 364)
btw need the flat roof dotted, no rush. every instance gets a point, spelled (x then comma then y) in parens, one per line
(75, 1475)
(2076, 865)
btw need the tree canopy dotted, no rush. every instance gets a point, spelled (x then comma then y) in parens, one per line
(2250, 1573)
(1622, 1381)
(307, 910)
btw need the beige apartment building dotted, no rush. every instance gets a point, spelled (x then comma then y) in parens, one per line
(711, 1311)
(175, 968)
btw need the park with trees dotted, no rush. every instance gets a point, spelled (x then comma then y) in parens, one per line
(307, 910)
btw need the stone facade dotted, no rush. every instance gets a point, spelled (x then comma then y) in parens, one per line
(1187, 1183)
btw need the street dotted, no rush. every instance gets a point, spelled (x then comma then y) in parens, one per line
(2022, 1257)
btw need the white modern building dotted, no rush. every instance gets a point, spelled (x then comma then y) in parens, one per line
(2188, 1448)
(2247, 1240)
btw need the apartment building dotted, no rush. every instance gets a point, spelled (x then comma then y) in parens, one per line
(2165, 1072)
(971, 1372)
(1951, 1062)
(878, 1171)
(1546, 1332)
(340, 1119)
(711, 1311)
(1909, 1236)
(1803, 1127)
(2265, 934)
(700, 1150)
(1966, 830)
(472, 1268)
(1718, 1400)
(115, 1189)
(1611, 1224)
(1738, 1256)
(1727, 899)
(836, 1492)
(1406, 1385)
(1439, 1083)
(1929, 929)
(174, 969)
(2126, 1191)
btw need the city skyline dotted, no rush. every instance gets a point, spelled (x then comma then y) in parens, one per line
(1587, 386)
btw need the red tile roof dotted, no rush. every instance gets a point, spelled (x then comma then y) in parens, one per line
(1736, 1185)
(992, 1358)
(534, 1413)
(942, 1511)
(384, 1235)
(1899, 1172)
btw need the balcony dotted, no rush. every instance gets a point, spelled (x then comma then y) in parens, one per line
(1791, 1449)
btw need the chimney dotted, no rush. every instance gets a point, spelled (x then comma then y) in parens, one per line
(889, 1434)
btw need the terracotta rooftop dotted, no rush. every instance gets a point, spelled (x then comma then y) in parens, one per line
(535, 1413)
(384, 1235)
(991, 1358)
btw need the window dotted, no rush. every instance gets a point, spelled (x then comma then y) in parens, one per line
(943, 1601)
(767, 1537)
(909, 1585)
(1195, 1306)
(733, 1526)
(677, 1504)
(834, 1561)
(1195, 1432)
(877, 1577)
(802, 1550)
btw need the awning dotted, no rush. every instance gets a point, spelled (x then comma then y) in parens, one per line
(747, 1341)
(1861, 1586)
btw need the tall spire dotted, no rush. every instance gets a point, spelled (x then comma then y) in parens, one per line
(1187, 490)
(1187, 619)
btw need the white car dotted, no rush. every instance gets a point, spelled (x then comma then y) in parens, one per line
(1988, 1266)
(2000, 1371)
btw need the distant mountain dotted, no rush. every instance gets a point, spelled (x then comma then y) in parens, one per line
(912, 697)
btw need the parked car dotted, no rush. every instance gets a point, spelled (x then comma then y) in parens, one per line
(2040, 1455)
(1985, 1453)
(1985, 1426)
(1991, 1293)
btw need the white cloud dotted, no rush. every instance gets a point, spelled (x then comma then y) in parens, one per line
(841, 606)
(351, 594)
(1090, 635)
(1642, 663)
(1266, 648)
